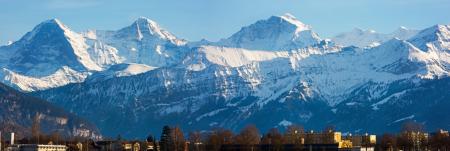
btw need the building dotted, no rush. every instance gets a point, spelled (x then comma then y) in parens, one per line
(131, 146)
(343, 143)
(36, 147)
(330, 137)
(361, 142)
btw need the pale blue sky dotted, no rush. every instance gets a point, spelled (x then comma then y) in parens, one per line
(215, 19)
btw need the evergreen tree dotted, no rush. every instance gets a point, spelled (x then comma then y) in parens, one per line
(150, 138)
(166, 140)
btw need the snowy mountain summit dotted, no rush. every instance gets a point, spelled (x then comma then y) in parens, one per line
(369, 38)
(53, 55)
(146, 29)
(276, 69)
(433, 38)
(48, 56)
(276, 33)
(48, 47)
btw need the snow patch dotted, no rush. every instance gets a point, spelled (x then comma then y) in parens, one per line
(403, 119)
(196, 67)
(285, 123)
(63, 76)
(385, 100)
(236, 57)
(212, 113)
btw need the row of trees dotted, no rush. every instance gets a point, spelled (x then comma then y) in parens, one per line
(411, 137)
(249, 137)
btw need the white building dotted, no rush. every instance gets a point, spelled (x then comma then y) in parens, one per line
(36, 147)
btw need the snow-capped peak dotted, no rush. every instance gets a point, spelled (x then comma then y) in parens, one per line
(152, 27)
(395, 42)
(51, 24)
(434, 32)
(404, 33)
(357, 30)
(360, 38)
(146, 29)
(369, 38)
(293, 20)
(402, 28)
(436, 37)
(147, 26)
(54, 21)
(48, 47)
(275, 33)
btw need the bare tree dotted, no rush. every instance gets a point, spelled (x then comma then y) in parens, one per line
(195, 140)
(248, 137)
(36, 128)
(218, 137)
(55, 137)
(226, 136)
(388, 142)
(411, 126)
(273, 139)
(439, 141)
(195, 137)
(412, 136)
(178, 139)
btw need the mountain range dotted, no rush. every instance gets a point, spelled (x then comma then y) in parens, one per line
(272, 73)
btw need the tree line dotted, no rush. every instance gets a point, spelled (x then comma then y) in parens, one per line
(412, 136)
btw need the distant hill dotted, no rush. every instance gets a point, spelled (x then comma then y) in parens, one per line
(17, 111)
